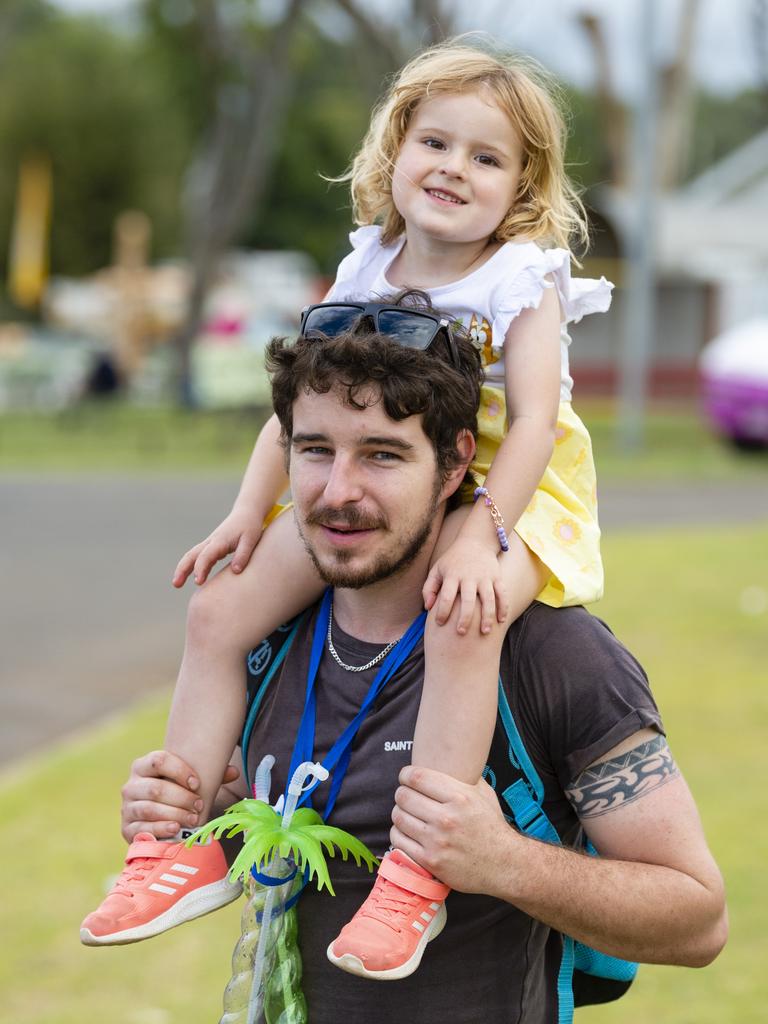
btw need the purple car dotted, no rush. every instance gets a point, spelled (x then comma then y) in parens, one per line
(734, 371)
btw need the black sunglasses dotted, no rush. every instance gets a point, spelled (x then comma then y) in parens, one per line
(408, 327)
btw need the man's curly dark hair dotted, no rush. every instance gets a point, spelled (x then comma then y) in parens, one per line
(365, 367)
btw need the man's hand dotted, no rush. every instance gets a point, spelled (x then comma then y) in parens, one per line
(161, 796)
(454, 830)
(240, 532)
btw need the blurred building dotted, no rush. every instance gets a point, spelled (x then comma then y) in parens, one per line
(711, 270)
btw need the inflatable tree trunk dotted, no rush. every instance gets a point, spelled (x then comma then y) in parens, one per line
(282, 851)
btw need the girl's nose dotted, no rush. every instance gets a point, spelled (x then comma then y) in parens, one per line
(453, 164)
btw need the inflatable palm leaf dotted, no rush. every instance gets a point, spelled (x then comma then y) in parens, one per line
(303, 840)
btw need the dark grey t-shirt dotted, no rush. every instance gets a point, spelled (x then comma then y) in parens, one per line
(575, 693)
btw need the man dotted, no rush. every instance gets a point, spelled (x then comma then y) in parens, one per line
(378, 439)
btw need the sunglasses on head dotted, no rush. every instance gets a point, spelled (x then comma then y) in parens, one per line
(408, 327)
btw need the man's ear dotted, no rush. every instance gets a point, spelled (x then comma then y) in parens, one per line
(466, 447)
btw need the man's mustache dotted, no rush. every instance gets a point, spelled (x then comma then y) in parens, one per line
(345, 518)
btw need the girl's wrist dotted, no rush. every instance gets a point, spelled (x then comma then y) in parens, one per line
(484, 502)
(478, 527)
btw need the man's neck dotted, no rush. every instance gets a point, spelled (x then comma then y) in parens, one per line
(382, 612)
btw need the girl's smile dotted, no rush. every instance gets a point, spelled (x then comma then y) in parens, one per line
(458, 169)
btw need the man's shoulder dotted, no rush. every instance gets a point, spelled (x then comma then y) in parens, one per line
(543, 629)
(568, 649)
(575, 690)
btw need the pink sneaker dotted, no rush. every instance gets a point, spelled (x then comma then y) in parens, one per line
(385, 940)
(161, 886)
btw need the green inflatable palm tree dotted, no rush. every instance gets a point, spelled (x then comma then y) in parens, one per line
(266, 979)
(303, 840)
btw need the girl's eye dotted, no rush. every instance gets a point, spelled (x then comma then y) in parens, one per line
(488, 161)
(434, 143)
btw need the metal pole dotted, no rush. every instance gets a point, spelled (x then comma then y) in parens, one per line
(639, 321)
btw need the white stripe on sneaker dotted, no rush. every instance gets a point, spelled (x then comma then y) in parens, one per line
(175, 878)
(427, 917)
(163, 888)
(418, 926)
(434, 906)
(185, 869)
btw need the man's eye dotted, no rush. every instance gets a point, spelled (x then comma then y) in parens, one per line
(315, 449)
(385, 457)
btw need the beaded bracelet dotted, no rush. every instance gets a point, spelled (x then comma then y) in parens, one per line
(496, 516)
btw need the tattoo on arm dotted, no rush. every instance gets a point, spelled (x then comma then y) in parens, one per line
(611, 784)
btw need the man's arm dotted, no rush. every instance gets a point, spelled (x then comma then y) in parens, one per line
(655, 893)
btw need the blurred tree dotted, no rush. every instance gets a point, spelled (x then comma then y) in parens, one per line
(613, 115)
(760, 42)
(321, 130)
(675, 103)
(248, 74)
(695, 128)
(69, 88)
(722, 124)
(18, 17)
(340, 76)
(250, 71)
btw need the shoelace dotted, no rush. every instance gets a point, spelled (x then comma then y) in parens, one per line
(388, 903)
(136, 871)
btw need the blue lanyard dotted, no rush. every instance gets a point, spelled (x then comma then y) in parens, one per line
(337, 758)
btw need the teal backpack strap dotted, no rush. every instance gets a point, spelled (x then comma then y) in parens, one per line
(261, 659)
(526, 795)
(524, 798)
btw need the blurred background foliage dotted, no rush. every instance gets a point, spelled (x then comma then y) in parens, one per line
(121, 109)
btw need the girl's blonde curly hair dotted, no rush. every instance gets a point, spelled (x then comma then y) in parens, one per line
(547, 208)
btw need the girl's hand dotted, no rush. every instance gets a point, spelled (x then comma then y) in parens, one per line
(239, 532)
(470, 571)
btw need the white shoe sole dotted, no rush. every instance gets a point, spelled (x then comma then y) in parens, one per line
(354, 965)
(195, 904)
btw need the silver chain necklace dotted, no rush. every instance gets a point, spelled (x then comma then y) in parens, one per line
(355, 668)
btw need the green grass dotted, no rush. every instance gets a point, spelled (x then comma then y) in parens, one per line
(675, 598)
(116, 437)
(60, 838)
(678, 444)
(677, 601)
(95, 437)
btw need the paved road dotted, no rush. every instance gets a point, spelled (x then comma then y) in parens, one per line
(89, 620)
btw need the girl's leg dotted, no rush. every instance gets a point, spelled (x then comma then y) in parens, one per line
(227, 616)
(387, 936)
(165, 884)
(458, 703)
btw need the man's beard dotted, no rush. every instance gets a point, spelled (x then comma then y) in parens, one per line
(386, 565)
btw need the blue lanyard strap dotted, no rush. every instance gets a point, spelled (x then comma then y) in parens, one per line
(337, 758)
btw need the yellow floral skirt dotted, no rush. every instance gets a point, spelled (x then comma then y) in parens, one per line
(560, 523)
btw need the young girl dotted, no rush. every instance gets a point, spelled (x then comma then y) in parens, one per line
(461, 190)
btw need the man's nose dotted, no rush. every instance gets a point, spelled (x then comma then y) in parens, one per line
(344, 484)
